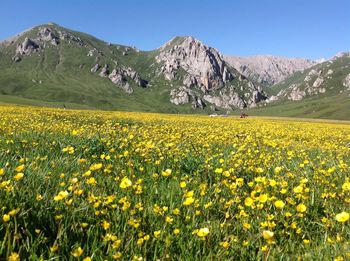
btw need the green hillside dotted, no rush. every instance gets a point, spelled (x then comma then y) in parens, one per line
(333, 102)
(59, 74)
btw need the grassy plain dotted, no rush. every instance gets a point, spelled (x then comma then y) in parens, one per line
(96, 185)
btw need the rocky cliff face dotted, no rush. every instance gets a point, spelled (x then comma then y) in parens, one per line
(268, 70)
(204, 65)
(208, 79)
(346, 81)
(27, 47)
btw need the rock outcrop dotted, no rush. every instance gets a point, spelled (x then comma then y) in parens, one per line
(346, 81)
(46, 34)
(203, 65)
(180, 96)
(120, 76)
(120, 80)
(105, 71)
(266, 69)
(205, 76)
(184, 95)
(71, 38)
(95, 68)
(27, 47)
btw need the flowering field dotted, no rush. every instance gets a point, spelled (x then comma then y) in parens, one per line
(90, 185)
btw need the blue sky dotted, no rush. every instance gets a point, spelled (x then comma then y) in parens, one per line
(294, 28)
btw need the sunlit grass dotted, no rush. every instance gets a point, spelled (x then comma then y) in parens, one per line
(109, 185)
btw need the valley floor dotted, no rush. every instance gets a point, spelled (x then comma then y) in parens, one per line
(96, 185)
(331, 108)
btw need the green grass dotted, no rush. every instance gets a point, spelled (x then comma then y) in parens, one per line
(140, 147)
(333, 107)
(60, 75)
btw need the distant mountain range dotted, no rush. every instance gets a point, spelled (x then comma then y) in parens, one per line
(268, 70)
(54, 66)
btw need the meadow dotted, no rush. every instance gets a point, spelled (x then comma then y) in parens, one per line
(93, 185)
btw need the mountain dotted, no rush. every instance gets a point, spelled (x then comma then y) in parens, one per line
(49, 65)
(52, 65)
(266, 69)
(322, 91)
(328, 78)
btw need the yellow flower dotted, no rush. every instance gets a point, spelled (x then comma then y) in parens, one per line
(166, 173)
(91, 181)
(203, 232)
(58, 217)
(157, 233)
(182, 184)
(262, 198)
(188, 201)
(301, 208)
(176, 211)
(176, 231)
(259, 170)
(169, 219)
(18, 176)
(247, 225)
(345, 186)
(125, 183)
(277, 170)
(54, 248)
(68, 149)
(84, 225)
(224, 244)
(298, 189)
(87, 258)
(279, 204)
(106, 225)
(2, 171)
(264, 248)
(20, 168)
(268, 235)
(248, 202)
(13, 212)
(140, 241)
(61, 195)
(77, 252)
(39, 197)
(117, 255)
(342, 217)
(218, 170)
(14, 257)
(6, 218)
(95, 166)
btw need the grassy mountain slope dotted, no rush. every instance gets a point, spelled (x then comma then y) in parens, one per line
(333, 102)
(333, 107)
(61, 75)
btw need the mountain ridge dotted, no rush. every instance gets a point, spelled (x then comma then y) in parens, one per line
(53, 64)
(268, 69)
(192, 72)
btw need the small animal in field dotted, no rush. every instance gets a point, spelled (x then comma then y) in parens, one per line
(243, 115)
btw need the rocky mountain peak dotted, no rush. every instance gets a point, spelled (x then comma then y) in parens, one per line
(206, 78)
(204, 66)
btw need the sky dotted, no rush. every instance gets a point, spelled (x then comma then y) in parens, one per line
(294, 28)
